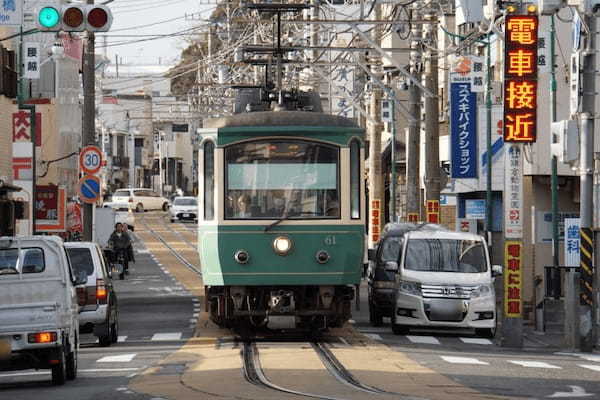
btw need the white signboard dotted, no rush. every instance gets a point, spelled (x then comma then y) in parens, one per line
(572, 242)
(544, 56)
(468, 69)
(513, 193)
(31, 61)
(11, 12)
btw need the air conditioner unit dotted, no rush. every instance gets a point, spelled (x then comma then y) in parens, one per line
(565, 141)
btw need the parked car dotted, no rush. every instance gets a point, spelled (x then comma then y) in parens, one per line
(39, 309)
(444, 279)
(140, 199)
(184, 208)
(99, 313)
(382, 283)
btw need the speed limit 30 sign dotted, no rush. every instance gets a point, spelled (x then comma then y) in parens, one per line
(90, 159)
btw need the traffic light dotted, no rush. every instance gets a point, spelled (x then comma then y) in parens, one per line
(74, 18)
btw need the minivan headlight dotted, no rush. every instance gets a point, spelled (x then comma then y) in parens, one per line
(409, 287)
(481, 291)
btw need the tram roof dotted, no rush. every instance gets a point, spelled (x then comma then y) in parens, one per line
(280, 118)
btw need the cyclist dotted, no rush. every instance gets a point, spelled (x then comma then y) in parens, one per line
(121, 243)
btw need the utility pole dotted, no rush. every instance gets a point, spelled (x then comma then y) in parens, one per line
(131, 152)
(555, 290)
(413, 144)
(374, 134)
(586, 169)
(89, 119)
(432, 147)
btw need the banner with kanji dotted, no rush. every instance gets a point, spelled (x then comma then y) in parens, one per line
(513, 278)
(520, 78)
(463, 131)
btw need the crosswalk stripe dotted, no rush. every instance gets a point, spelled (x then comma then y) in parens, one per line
(117, 358)
(423, 339)
(167, 336)
(475, 340)
(374, 330)
(373, 336)
(589, 366)
(121, 339)
(463, 360)
(534, 364)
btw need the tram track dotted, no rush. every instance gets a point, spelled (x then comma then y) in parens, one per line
(175, 253)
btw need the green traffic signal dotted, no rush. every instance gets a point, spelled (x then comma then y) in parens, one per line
(48, 17)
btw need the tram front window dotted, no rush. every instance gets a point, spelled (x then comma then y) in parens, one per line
(282, 179)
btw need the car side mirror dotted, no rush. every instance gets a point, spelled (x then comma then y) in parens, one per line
(391, 266)
(496, 270)
(371, 254)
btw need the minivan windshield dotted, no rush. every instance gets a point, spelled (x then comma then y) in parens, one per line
(185, 202)
(445, 255)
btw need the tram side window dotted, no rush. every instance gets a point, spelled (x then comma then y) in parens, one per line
(355, 179)
(209, 181)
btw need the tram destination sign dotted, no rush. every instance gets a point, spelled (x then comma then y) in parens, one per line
(520, 78)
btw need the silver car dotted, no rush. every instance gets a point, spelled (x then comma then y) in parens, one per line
(184, 208)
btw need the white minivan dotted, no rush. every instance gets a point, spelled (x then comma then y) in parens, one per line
(444, 279)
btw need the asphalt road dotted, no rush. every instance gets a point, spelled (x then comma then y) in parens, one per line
(155, 318)
(158, 315)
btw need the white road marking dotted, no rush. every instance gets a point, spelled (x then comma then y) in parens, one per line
(167, 336)
(121, 339)
(423, 339)
(576, 391)
(374, 330)
(373, 336)
(344, 341)
(118, 358)
(463, 360)
(195, 315)
(475, 340)
(95, 370)
(351, 321)
(534, 364)
(142, 251)
(590, 366)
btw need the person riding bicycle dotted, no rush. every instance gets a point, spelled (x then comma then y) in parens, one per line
(120, 242)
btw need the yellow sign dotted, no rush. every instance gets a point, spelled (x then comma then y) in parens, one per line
(513, 279)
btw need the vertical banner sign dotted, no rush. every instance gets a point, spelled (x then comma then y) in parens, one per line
(572, 242)
(31, 61)
(513, 192)
(463, 134)
(433, 211)
(513, 279)
(520, 78)
(375, 220)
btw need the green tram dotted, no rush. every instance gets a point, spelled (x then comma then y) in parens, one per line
(281, 219)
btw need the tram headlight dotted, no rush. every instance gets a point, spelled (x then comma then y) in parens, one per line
(282, 245)
(241, 256)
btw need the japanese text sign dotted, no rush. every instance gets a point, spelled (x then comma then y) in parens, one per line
(572, 240)
(520, 78)
(375, 219)
(433, 211)
(513, 192)
(46, 205)
(463, 133)
(513, 278)
(31, 60)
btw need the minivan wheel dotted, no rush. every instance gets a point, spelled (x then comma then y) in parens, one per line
(397, 328)
(114, 332)
(165, 207)
(139, 208)
(487, 333)
(59, 371)
(375, 318)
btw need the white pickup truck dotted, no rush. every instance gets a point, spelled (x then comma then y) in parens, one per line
(38, 307)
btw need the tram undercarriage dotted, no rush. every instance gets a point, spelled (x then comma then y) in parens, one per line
(280, 307)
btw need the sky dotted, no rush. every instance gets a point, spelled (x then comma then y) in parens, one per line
(165, 17)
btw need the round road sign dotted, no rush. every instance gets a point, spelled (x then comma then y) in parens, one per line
(90, 159)
(89, 189)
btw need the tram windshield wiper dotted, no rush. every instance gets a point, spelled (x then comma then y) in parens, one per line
(277, 222)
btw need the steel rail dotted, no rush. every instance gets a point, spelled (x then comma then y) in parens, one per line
(179, 257)
(339, 372)
(254, 374)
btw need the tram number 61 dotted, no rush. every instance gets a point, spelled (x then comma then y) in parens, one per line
(330, 240)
